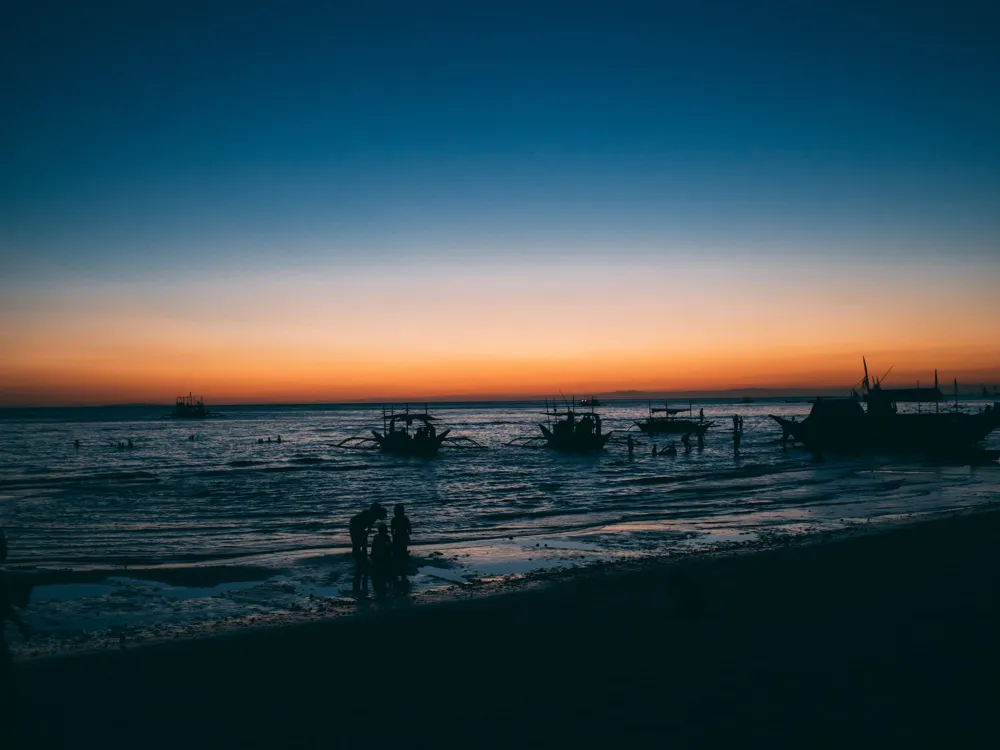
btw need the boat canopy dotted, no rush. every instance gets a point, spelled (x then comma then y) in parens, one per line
(905, 395)
(411, 418)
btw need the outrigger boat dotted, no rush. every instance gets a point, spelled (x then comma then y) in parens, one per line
(670, 424)
(842, 425)
(425, 441)
(572, 431)
(192, 407)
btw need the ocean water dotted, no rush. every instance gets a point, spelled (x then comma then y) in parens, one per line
(200, 524)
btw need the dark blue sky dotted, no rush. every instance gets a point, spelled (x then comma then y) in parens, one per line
(137, 134)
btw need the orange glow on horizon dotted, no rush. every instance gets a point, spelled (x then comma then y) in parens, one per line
(327, 339)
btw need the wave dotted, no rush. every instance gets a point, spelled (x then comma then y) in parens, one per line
(82, 480)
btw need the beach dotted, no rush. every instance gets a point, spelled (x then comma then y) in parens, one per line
(864, 638)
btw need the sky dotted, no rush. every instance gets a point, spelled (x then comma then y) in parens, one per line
(290, 202)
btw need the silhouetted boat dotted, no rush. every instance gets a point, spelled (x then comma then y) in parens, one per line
(569, 430)
(396, 437)
(843, 425)
(591, 402)
(670, 424)
(746, 400)
(192, 407)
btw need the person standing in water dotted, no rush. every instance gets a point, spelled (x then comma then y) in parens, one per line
(382, 559)
(631, 446)
(401, 531)
(359, 528)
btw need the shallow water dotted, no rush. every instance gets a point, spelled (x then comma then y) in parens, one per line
(222, 509)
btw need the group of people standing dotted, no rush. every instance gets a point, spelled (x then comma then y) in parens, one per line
(389, 556)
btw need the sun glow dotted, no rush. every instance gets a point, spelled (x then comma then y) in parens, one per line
(451, 331)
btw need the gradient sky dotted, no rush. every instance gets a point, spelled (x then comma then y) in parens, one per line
(282, 202)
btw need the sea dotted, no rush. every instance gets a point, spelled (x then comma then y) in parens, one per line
(213, 524)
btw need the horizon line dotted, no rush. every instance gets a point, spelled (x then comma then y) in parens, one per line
(617, 395)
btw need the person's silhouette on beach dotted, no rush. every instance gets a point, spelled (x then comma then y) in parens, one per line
(401, 531)
(359, 527)
(382, 559)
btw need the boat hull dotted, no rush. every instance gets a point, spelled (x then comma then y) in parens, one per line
(402, 444)
(660, 426)
(575, 442)
(928, 433)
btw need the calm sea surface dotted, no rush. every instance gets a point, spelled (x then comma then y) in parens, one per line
(206, 495)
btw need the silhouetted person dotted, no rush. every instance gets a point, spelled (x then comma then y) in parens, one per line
(381, 559)
(269, 440)
(701, 416)
(279, 438)
(260, 441)
(359, 527)
(654, 451)
(631, 446)
(737, 438)
(130, 444)
(686, 440)
(76, 444)
(401, 531)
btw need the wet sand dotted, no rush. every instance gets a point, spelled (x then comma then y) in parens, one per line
(884, 637)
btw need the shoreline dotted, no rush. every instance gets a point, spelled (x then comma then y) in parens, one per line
(443, 578)
(884, 630)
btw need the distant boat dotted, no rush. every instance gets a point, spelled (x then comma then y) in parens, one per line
(592, 402)
(746, 400)
(192, 407)
(397, 439)
(670, 424)
(843, 425)
(568, 430)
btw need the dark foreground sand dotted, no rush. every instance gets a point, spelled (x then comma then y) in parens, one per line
(890, 637)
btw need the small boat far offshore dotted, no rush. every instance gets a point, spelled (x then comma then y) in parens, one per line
(192, 407)
(670, 424)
